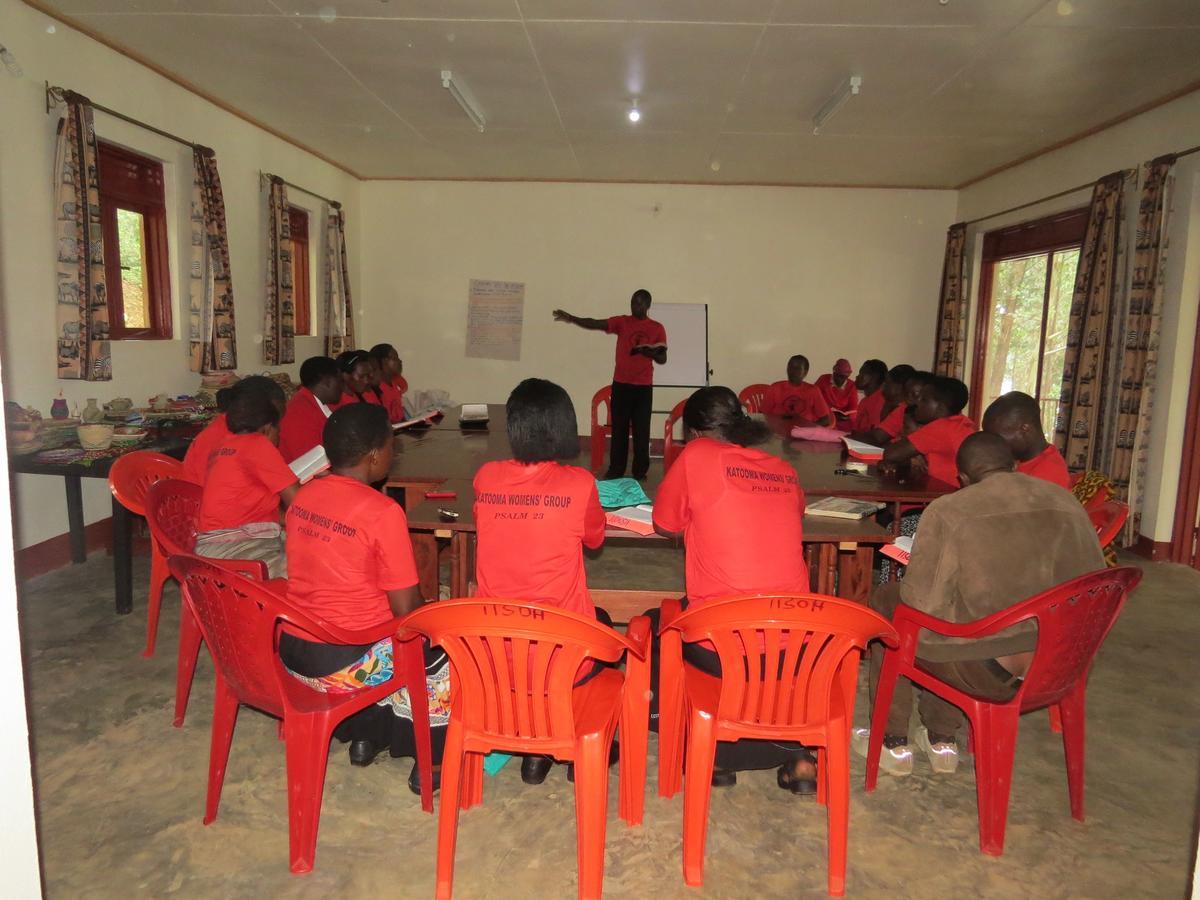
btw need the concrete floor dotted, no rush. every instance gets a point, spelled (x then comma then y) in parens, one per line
(120, 792)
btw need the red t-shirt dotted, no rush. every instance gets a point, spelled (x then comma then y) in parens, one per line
(939, 441)
(195, 461)
(893, 422)
(393, 401)
(367, 396)
(245, 475)
(866, 417)
(1048, 465)
(799, 401)
(844, 398)
(400, 383)
(633, 332)
(741, 513)
(347, 546)
(533, 522)
(302, 426)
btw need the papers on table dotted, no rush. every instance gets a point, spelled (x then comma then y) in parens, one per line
(861, 450)
(638, 519)
(423, 419)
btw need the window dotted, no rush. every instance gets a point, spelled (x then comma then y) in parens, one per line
(1028, 280)
(301, 300)
(133, 215)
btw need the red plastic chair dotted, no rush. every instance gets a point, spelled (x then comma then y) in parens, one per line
(241, 621)
(753, 397)
(513, 670)
(671, 450)
(790, 666)
(601, 433)
(172, 507)
(1072, 621)
(1108, 518)
(129, 479)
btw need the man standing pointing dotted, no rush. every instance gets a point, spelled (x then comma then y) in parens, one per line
(641, 342)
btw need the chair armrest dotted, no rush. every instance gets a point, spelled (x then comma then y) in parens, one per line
(254, 569)
(638, 636)
(670, 611)
(908, 620)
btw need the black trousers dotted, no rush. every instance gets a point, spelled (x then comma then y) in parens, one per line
(630, 407)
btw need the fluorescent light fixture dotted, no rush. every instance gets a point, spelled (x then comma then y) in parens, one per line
(461, 93)
(847, 89)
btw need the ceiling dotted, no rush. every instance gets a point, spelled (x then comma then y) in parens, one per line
(727, 88)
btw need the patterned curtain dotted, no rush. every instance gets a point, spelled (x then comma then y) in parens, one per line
(950, 353)
(1080, 427)
(279, 325)
(212, 341)
(81, 299)
(1143, 325)
(339, 322)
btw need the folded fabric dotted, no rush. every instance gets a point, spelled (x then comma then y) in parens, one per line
(495, 761)
(618, 492)
(816, 433)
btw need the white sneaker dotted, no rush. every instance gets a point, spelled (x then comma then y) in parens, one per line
(943, 757)
(896, 761)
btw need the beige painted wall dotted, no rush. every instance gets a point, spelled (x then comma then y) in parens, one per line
(1172, 127)
(140, 369)
(824, 272)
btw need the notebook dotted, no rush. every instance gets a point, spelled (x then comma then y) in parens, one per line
(842, 508)
(638, 519)
(861, 450)
(473, 415)
(308, 465)
(900, 551)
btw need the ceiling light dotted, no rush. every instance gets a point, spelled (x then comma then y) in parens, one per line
(461, 93)
(847, 89)
(1065, 7)
(635, 115)
(715, 165)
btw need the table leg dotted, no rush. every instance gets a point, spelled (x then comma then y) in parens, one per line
(75, 517)
(425, 552)
(827, 569)
(854, 573)
(460, 572)
(122, 557)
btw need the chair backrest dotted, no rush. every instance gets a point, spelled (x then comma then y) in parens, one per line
(753, 397)
(782, 656)
(1108, 518)
(602, 398)
(172, 510)
(1072, 621)
(514, 663)
(671, 448)
(133, 473)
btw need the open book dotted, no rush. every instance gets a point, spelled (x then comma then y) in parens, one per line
(308, 465)
(638, 519)
(861, 450)
(900, 551)
(842, 508)
(423, 419)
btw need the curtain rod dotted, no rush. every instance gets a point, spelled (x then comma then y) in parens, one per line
(268, 176)
(56, 94)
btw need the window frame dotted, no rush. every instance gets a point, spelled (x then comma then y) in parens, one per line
(1039, 237)
(301, 270)
(148, 199)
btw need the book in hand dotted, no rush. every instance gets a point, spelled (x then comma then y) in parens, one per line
(638, 519)
(900, 551)
(861, 450)
(425, 419)
(309, 465)
(473, 415)
(842, 508)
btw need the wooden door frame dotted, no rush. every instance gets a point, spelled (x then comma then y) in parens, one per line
(1187, 499)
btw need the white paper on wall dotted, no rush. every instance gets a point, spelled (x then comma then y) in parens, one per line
(495, 316)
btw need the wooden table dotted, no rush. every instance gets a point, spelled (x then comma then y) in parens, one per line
(173, 441)
(446, 458)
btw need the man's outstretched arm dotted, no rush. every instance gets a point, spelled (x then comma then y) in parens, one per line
(590, 324)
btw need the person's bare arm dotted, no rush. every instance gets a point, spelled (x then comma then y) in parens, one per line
(674, 535)
(876, 436)
(405, 600)
(658, 354)
(824, 420)
(900, 451)
(561, 315)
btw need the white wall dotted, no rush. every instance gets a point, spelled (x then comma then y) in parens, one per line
(1172, 127)
(140, 369)
(824, 272)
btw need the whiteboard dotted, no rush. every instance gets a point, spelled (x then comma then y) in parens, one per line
(687, 344)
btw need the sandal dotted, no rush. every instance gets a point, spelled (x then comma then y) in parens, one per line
(785, 778)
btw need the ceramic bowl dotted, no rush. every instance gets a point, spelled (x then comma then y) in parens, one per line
(95, 437)
(127, 437)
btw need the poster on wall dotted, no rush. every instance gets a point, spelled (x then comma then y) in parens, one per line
(495, 315)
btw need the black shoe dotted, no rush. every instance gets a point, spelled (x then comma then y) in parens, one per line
(414, 780)
(363, 753)
(724, 778)
(789, 782)
(534, 769)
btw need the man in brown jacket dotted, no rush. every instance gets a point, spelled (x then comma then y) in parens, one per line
(1001, 539)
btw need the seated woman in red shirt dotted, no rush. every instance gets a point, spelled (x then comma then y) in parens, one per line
(246, 482)
(195, 461)
(355, 366)
(796, 398)
(534, 515)
(350, 562)
(881, 421)
(1017, 418)
(739, 540)
(841, 393)
(941, 428)
(304, 421)
(390, 394)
